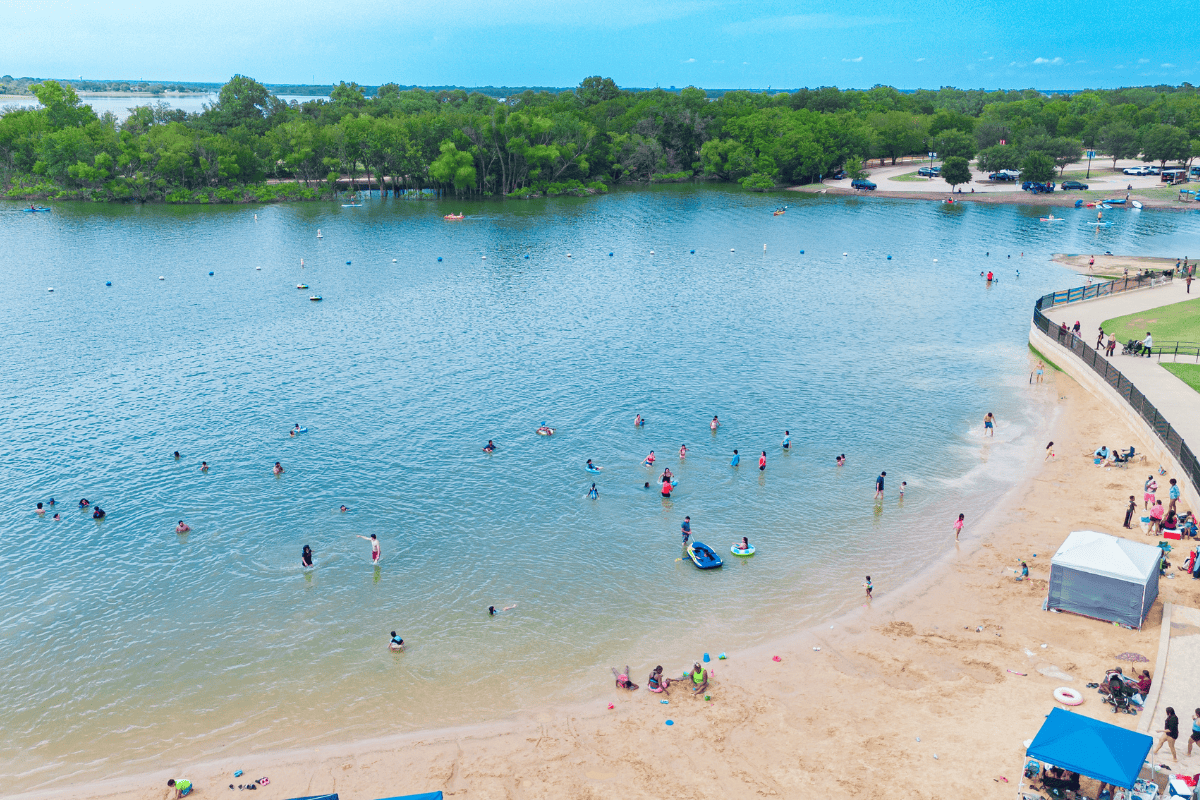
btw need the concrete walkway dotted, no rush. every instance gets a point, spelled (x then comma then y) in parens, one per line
(1176, 684)
(1175, 400)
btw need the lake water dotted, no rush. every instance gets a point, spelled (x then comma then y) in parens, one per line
(124, 646)
(119, 104)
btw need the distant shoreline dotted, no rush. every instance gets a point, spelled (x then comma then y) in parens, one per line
(1056, 199)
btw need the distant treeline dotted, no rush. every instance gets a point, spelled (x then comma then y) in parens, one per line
(249, 145)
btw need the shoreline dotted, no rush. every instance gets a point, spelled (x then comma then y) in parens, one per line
(1106, 265)
(1053, 200)
(885, 675)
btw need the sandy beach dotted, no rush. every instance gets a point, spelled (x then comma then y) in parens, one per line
(927, 691)
(1112, 266)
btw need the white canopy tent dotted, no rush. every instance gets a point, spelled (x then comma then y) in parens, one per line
(1105, 577)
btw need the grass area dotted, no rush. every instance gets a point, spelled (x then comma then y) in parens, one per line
(1188, 373)
(1178, 322)
(1042, 356)
(910, 177)
(1165, 192)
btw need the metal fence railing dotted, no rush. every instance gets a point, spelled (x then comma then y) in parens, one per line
(1111, 375)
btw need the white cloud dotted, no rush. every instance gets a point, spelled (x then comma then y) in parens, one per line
(1015, 64)
(989, 58)
(1168, 66)
(919, 60)
(690, 61)
(722, 61)
(1056, 60)
(852, 60)
(1143, 61)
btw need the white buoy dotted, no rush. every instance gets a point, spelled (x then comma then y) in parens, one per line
(161, 278)
(845, 254)
(319, 234)
(764, 248)
(302, 263)
(935, 261)
(256, 217)
(651, 252)
(483, 256)
(50, 289)
(568, 255)
(731, 249)
(393, 261)
(258, 267)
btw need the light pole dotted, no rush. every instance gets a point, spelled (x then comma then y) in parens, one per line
(1091, 154)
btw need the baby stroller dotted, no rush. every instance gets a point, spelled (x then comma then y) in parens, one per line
(1117, 691)
(1131, 348)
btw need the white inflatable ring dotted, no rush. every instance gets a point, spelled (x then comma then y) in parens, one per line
(1068, 697)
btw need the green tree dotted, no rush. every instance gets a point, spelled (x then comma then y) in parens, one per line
(1119, 140)
(1163, 143)
(897, 133)
(1064, 151)
(1038, 167)
(953, 143)
(854, 169)
(453, 168)
(956, 171)
(595, 90)
(998, 157)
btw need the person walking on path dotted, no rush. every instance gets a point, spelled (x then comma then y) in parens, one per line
(989, 425)
(1100, 338)
(1195, 737)
(1148, 492)
(1188, 282)
(1170, 732)
(879, 486)
(1112, 345)
(1148, 344)
(1173, 493)
(1041, 368)
(1129, 511)
(958, 523)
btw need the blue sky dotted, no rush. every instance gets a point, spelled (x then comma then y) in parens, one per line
(855, 43)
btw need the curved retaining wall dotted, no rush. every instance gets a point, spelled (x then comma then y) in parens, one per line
(1165, 447)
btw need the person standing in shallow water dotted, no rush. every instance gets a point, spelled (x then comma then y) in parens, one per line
(374, 540)
(879, 486)
(762, 461)
(989, 424)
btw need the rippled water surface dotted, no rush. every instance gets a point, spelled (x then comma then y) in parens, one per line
(126, 646)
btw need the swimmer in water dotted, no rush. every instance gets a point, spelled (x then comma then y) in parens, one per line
(716, 423)
(176, 455)
(84, 503)
(204, 466)
(736, 459)
(292, 434)
(51, 501)
(493, 611)
(638, 421)
(762, 461)
(591, 467)
(40, 511)
(306, 557)
(841, 460)
(686, 528)
(648, 460)
(277, 469)
(182, 527)
(98, 513)
(682, 451)
(57, 518)
(743, 545)
(787, 440)
(343, 509)
(666, 476)
(374, 540)
(593, 493)
(646, 485)
(296, 427)
(666, 487)
(396, 644)
(489, 447)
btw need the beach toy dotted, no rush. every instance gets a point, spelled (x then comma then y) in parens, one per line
(610, 706)
(722, 657)
(109, 283)
(664, 702)
(670, 722)
(776, 658)
(237, 774)
(706, 658)
(708, 697)
(1067, 696)
(1022, 674)
(263, 781)
(817, 649)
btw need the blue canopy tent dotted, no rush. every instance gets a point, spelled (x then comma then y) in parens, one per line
(426, 796)
(1091, 747)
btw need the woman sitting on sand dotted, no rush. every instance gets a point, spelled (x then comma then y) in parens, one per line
(699, 676)
(623, 681)
(657, 683)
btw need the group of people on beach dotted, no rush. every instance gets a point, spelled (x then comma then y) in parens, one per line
(695, 681)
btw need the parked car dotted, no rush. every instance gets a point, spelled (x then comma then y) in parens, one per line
(930, 172)
(1152, 170)
(1072, 185)
(1037, 188)
(1136, 171)
(1004, 175)
(1194, 172)
(838, 175)
(862, 185)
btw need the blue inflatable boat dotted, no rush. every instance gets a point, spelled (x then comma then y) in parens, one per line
(703, 556)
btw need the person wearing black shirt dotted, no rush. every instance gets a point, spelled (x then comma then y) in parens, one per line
(1170, 732)
(1129, 512)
